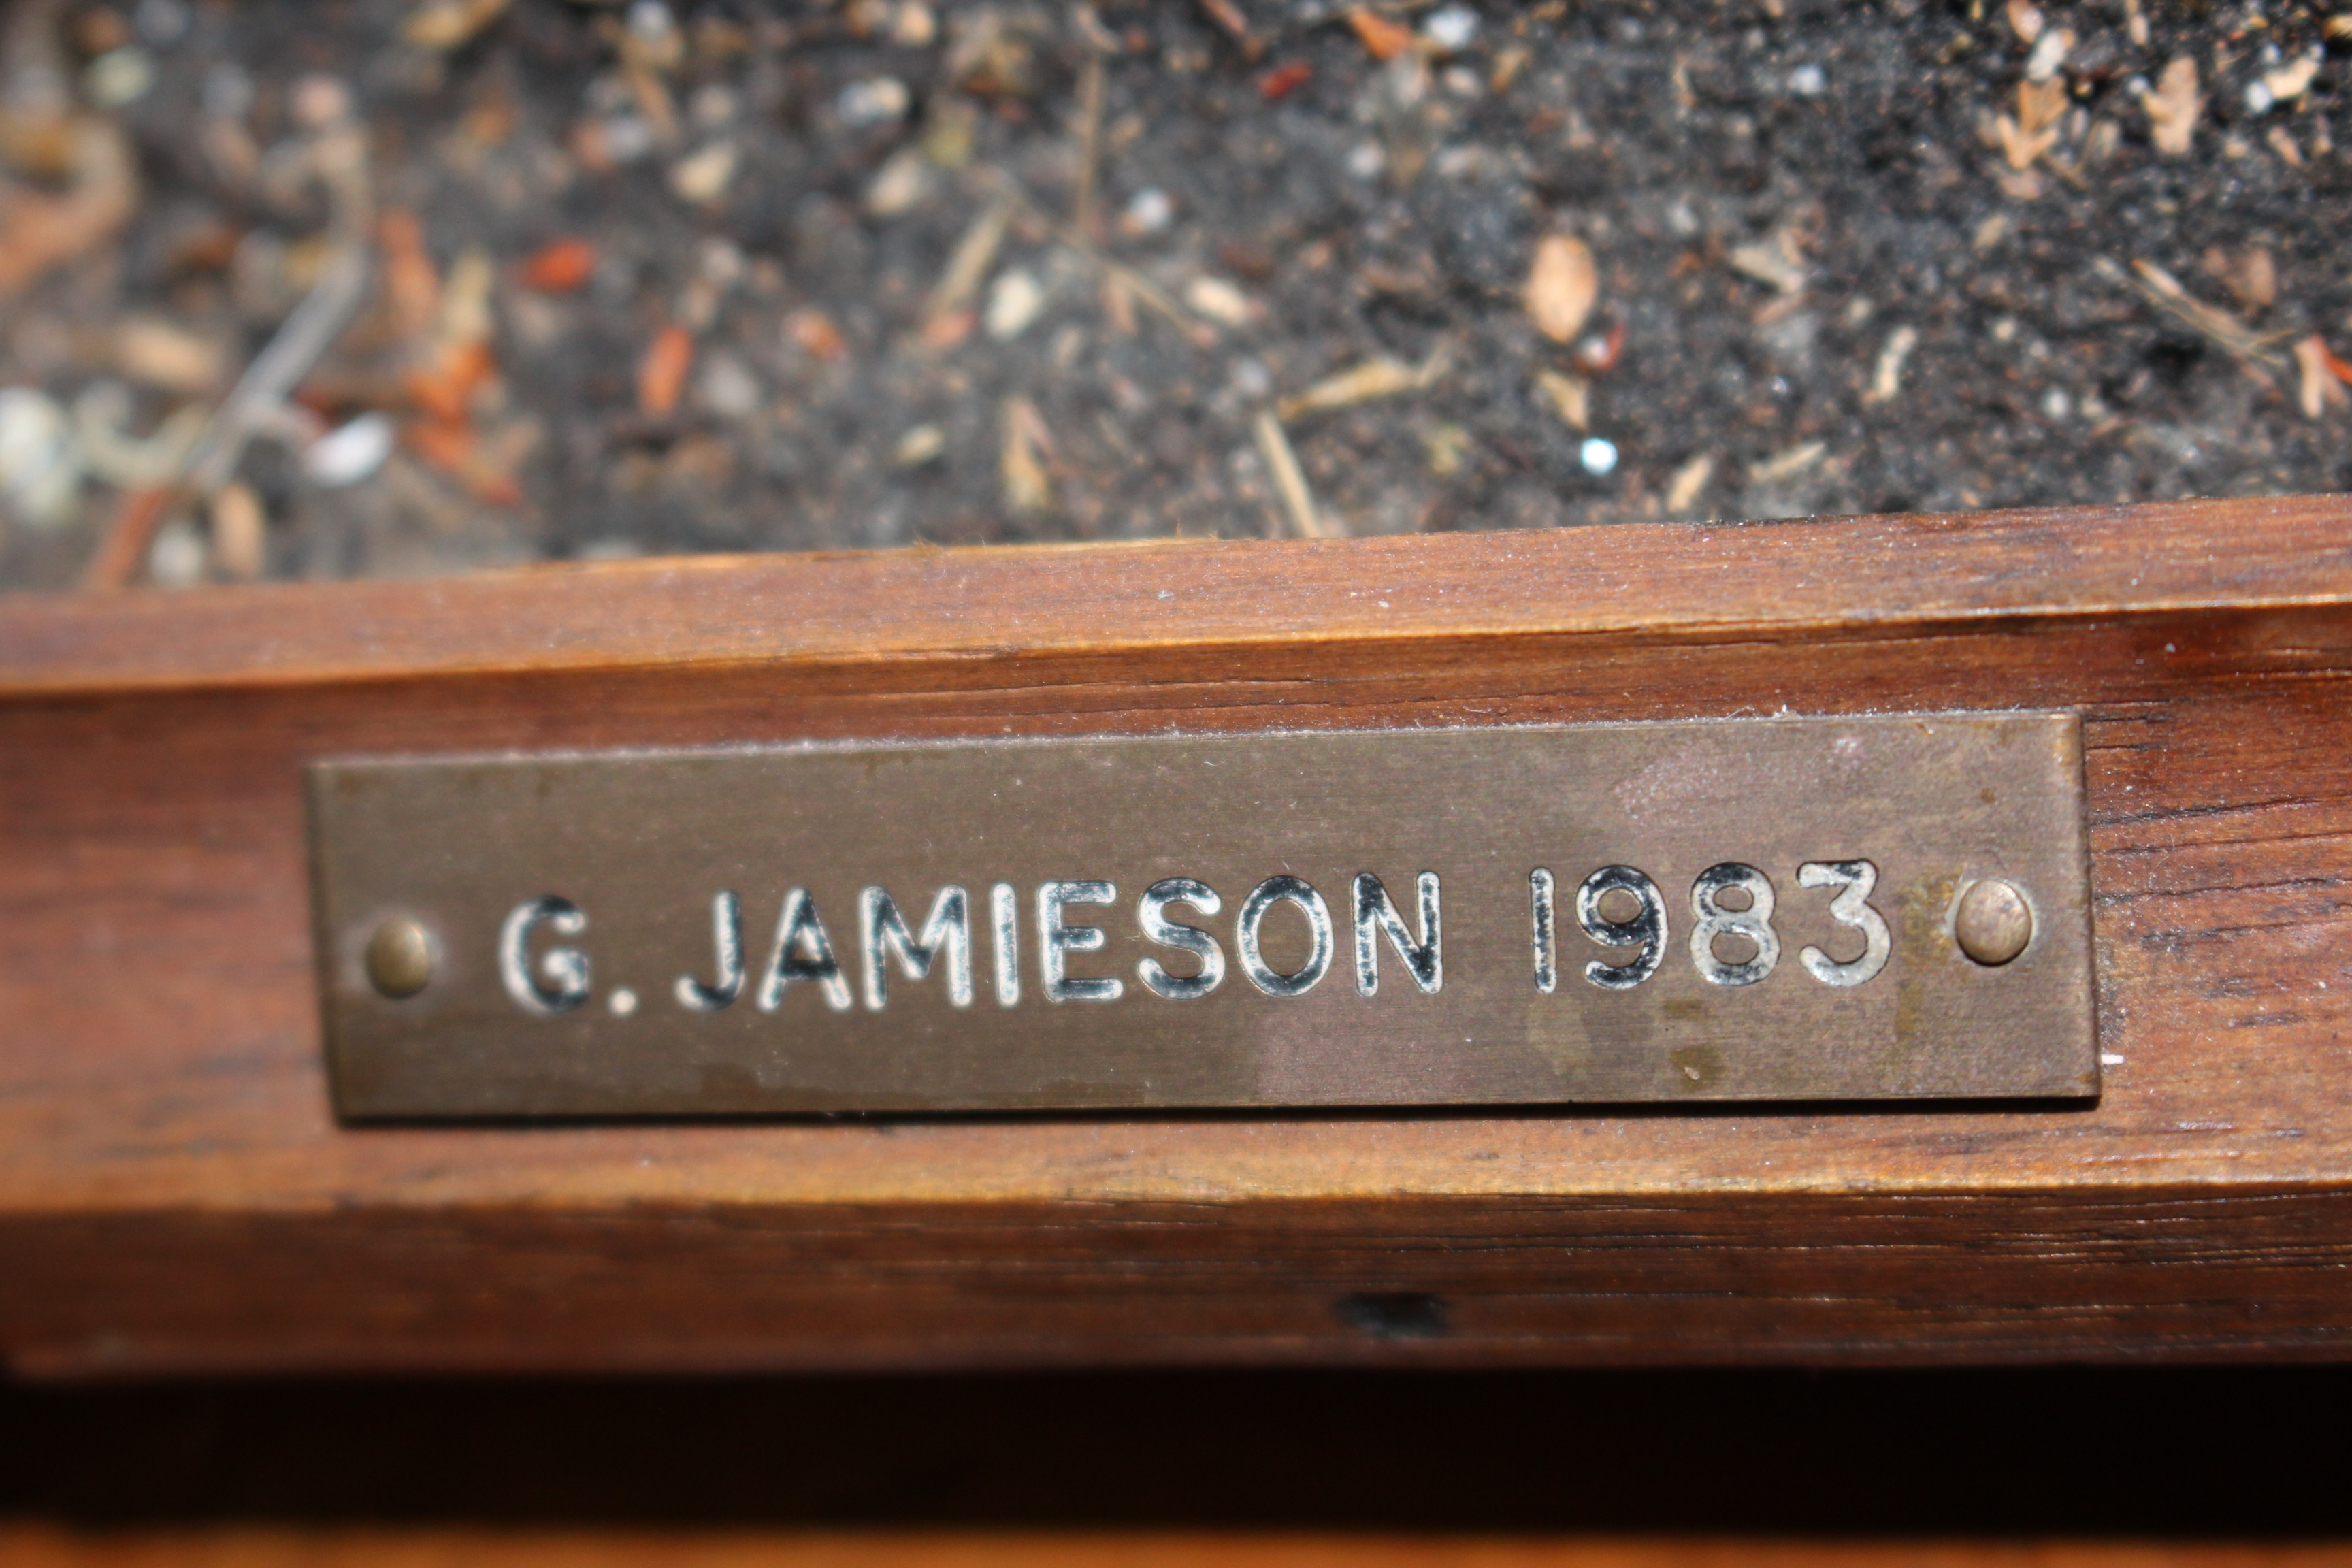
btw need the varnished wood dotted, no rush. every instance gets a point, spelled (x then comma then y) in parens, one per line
(173, 1192)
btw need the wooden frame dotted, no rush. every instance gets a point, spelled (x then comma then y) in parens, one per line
(174, 1194)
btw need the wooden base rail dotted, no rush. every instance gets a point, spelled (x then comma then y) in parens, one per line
(175, 1194)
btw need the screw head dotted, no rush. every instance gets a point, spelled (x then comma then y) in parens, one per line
(1993, 922)
(399, 958)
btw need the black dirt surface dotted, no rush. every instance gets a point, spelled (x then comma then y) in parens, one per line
(1829, 277)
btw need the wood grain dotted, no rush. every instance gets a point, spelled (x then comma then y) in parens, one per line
(173, 1192)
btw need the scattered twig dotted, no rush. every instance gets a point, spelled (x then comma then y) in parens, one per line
(1289, 483)
(1382, 376)
(2160, 289)
(1090, 112)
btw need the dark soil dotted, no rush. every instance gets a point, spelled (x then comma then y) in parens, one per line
(1777, 205)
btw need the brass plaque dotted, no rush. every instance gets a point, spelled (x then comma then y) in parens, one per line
(1772, 908)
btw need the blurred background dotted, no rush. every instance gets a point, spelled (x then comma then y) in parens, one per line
(314, 289)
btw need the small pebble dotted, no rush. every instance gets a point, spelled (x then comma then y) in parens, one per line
(40, 473)
(1809, 81)
(1014, 302)
(901, 184)
(1218, 301)
(162, 22)
(1599, 456)
(2260, 99)
(1451, 28)
(728, 389)
(651, 21)
(1148, 212)
(703, 177)
(176, 559)
(919, 446)
(915, 26)
(1366, 160)
(873, 102)
(119, 78)
(712, 106)
(319, 101)
(626, 138)
(2056, 404)
(351, 452)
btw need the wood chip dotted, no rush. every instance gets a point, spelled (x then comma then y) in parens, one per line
(1775, 261)
(1688, 482)
(152, 349)
(1788, 463)
(661, 375)
(1382, 39)
(2324, 376)
(1381, 377)
(1022, 466)
(239, 529)
(1562, 285)
(2174, 106)
(1569, 395)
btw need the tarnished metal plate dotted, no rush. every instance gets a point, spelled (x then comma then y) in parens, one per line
(1413, 918)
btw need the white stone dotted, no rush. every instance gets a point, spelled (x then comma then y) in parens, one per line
(351, 452)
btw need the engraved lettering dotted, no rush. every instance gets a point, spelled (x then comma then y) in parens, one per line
(1056, 941)
(803, 952)
(883, 933)
(727, 945)
(1854, 879)
(561, 983)
(1645, 927)
(1376, 913)
(1753, 923)
(1005, 912)
(1263, 898)
(1540, 902)
(1151, 912)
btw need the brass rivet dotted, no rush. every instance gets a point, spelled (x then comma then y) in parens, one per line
(1993, 923)
(399, 958)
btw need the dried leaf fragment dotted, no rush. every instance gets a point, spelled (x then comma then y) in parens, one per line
(560, 266)
(1562, 285)
(2174, 106)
